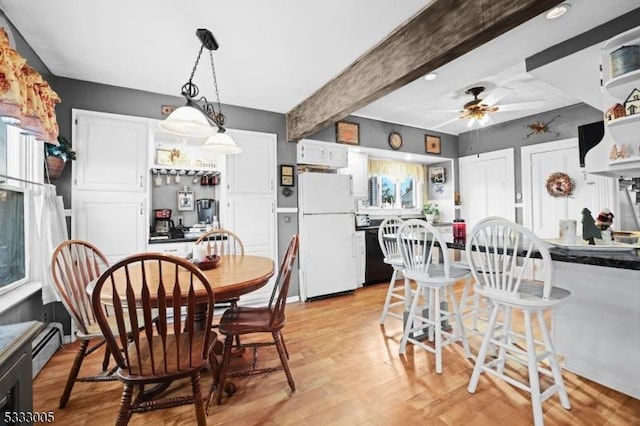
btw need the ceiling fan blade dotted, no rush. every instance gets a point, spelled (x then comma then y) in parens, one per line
(445, 123)
(496, 95)
(522, 105)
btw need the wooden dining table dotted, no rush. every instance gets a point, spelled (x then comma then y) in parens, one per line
(234, 276)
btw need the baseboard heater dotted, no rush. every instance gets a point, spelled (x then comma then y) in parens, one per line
(45, 345)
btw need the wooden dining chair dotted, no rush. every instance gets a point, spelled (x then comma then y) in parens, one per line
(241, 320)
(223, 242)
(174, 348)
(75, 264)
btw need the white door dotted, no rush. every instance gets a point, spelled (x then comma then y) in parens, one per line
(109, 193)
(543, 212)
(487, 186)
(251, 200)
(111, 151)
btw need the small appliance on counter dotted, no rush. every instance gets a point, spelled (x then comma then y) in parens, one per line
(207, 210)
(163, 226)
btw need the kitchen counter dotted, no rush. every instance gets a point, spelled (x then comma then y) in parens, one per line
(621, 260)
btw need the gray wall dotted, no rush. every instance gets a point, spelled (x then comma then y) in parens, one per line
(375, 134)
(513, 134)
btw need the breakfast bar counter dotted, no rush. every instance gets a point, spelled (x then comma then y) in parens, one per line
(596, 330)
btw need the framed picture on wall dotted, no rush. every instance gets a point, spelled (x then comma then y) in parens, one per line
(437, 175)
(432, 144)
(347, 132)
(286, 175)
(185, 201)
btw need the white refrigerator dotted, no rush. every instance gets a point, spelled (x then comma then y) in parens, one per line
(327, 235)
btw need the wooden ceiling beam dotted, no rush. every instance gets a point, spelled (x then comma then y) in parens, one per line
(438, 34)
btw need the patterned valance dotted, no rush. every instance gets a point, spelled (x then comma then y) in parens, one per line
(397, 170)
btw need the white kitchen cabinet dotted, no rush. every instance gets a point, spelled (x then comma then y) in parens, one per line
(252, 171)
(323, 154)
(359, 244)
(251, 198)
(109, 198)
(116, 222)
(358, 169)
(111, 152)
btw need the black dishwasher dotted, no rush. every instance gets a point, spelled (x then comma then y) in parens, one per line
(376, 271)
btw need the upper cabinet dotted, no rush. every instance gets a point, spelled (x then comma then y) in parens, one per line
(618, 154)
(112, 153)
(357, 168)
(323, 154)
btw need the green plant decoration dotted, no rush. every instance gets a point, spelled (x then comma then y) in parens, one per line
(430, 208)
(62, 151)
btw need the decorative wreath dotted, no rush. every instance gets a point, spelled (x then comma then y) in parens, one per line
(560, 184)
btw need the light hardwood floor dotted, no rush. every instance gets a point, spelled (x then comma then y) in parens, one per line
(347, 372)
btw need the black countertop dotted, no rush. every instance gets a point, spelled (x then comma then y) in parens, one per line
(621, 260)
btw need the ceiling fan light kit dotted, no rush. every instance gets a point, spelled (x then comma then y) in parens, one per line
(199, 119)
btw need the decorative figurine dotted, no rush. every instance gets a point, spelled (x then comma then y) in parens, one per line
(632, 104)
(613, 154)
(589, 228)
(623, 152)
(615, 111)
(539, 127)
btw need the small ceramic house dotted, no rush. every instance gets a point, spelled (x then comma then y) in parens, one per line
(632, 104)
(616, 111)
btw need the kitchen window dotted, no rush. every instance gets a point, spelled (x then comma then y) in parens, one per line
(394, 184)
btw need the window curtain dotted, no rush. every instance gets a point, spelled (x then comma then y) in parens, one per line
(47, 213)
(397, 170)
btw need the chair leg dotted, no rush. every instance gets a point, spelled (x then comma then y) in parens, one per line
(226, 355)
(73, 374)
(283, 358)
(438, 329)
(486, 340)
(124, 413)
(198, 399)
(460, 325)
(234, 304)
(532, 364)
(387, 300)
(105, 361)
(506, 332)
(408, 325)
(555, 367)
(284, 346)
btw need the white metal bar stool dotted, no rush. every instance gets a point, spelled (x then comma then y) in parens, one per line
(500, 255)
(396, 294)
(418, 241)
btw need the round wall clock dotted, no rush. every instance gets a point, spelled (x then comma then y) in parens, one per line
(395, 140)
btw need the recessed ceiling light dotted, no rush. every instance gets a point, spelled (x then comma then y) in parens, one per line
(558, 11)
(431, 76)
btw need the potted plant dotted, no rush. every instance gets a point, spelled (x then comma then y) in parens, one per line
(430, 211)
(56, 156)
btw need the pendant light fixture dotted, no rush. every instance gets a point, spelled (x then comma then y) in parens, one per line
(199, 118)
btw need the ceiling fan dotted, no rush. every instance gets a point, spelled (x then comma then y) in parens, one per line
(478, 110)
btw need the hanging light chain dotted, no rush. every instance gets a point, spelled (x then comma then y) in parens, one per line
(190, 89)
(219, 117)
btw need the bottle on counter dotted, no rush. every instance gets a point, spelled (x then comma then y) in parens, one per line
(459, 231)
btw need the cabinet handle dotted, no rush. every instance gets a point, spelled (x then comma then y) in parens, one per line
(141, 181)
(140, 209)
(171, 250)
